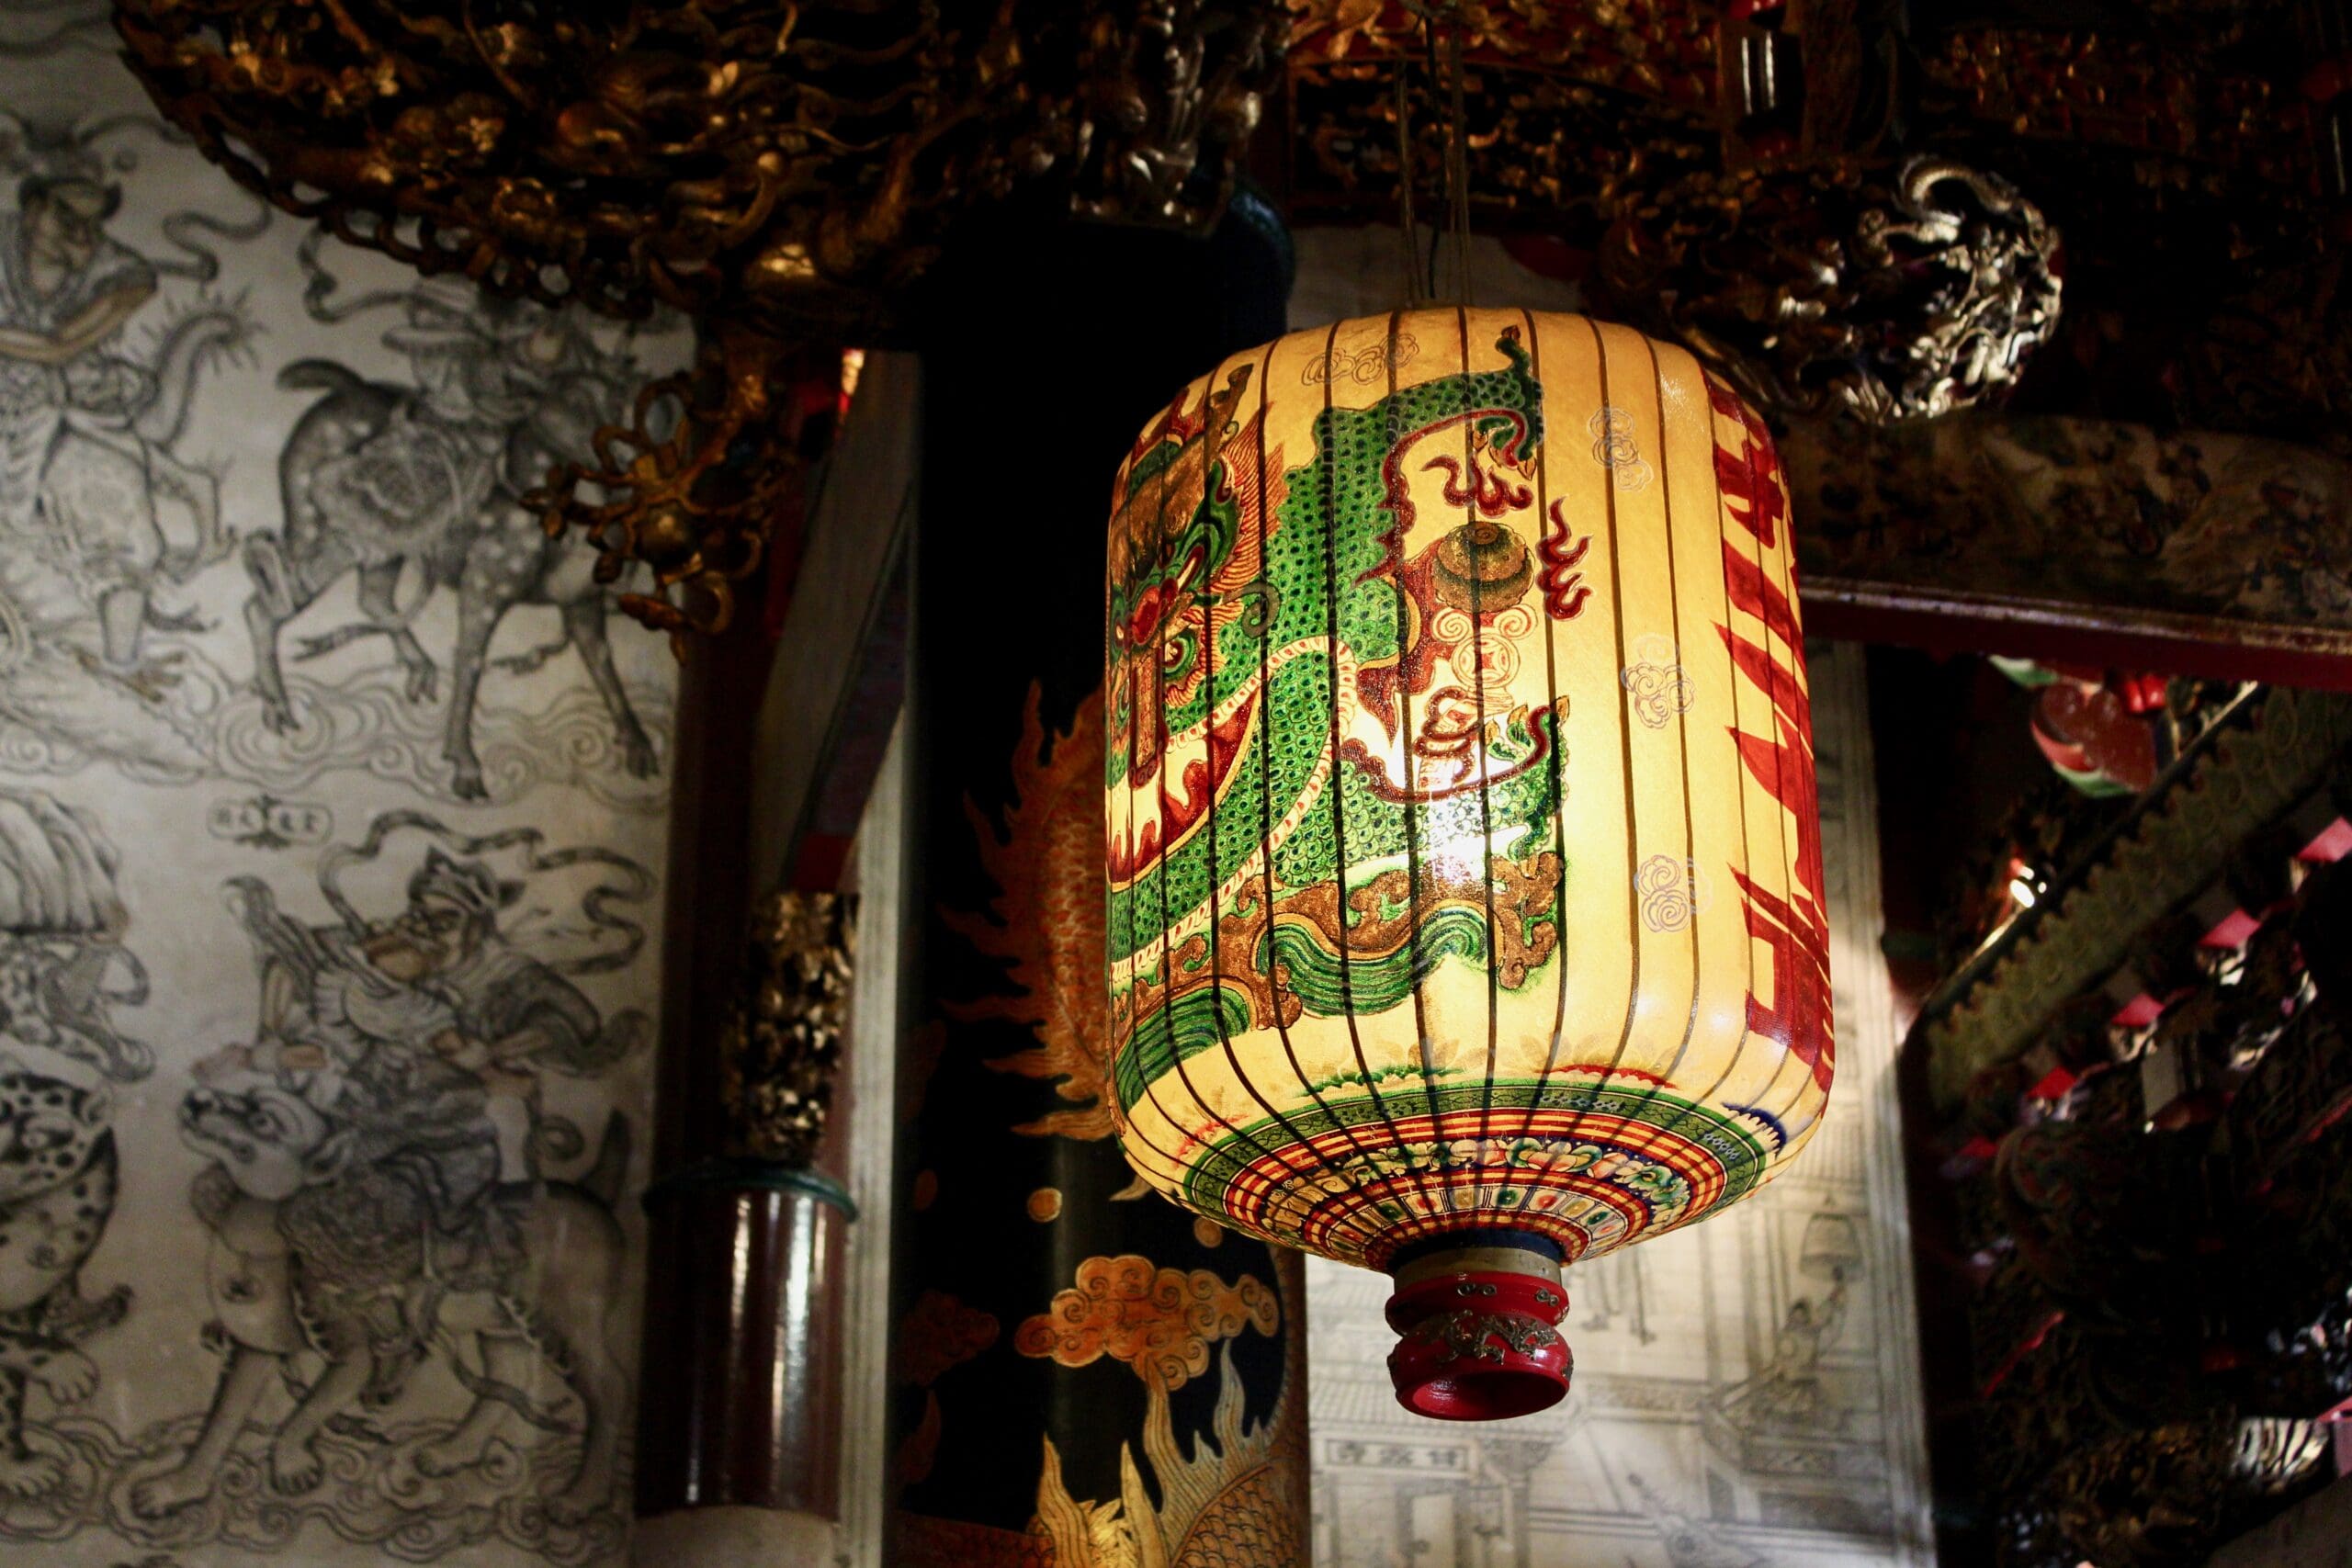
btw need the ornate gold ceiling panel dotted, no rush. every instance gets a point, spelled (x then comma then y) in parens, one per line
(794, 160)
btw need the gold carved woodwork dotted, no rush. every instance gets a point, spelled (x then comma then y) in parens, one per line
(1887, 294)
(780, 1050)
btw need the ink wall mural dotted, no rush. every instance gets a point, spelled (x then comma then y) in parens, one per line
(332, 800)
(1747, 1394)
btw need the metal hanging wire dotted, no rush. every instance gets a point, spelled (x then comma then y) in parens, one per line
(1441, 46)
(1408, 168)
(1457, 166)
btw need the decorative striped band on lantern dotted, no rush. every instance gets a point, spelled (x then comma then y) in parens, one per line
(1466, 915)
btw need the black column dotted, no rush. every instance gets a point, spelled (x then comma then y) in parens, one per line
(1035, 1269)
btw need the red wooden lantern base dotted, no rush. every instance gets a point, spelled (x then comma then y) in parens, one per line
(1480, 1337)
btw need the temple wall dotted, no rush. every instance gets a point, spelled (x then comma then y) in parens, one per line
(359, 1025)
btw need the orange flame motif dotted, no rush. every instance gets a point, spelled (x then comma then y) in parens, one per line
(1046, 921)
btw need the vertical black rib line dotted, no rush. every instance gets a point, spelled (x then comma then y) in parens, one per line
(1266, 761)
(1739, 762)
(1684, 1114)
(1295, 1149)
(1624, 744)
(1409, 787)
(1134, 966)
(1166, 838)
(1797, 662)
(1559, 763)
(1682, 736)
(1779, 810)
(1329, 453)
(1486, 802)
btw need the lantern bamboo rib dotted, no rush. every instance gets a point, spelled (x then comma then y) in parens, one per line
(1329, 479)
(1264, 584)
(1414, 880)
(1167, 956)
(1625, 746)
(1216, 962)
(1130, 1139)
(1731, 677)
(1730, 1068)
(1554, 699)
(1683, 723)
(1788, 587)
(1479, 1199)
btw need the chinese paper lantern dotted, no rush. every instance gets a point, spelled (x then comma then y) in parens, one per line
(1466, 915)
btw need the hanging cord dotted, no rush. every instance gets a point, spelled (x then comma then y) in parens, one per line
(1414, 294)
(1441, 43)
(1445, 155)
(1457, 167)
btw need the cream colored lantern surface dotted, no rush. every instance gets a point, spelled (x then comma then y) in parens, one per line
(1467, 913)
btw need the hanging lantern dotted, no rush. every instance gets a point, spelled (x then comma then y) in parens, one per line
(1466, 915)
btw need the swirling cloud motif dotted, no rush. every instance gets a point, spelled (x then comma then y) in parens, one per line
(1161, 1323)
(1615, 447)
(213, 726)
(1657, 682)
(367, 723)
(1672, 891)
(373, 1495)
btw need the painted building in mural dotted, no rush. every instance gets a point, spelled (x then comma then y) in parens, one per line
(331, 801)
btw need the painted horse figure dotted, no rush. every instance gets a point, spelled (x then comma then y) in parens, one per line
(376, 477)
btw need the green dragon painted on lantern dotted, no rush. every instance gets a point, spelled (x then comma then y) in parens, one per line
(1257, 612)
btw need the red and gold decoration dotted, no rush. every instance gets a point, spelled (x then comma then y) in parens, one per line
(1465, 899)
(2138, 1162)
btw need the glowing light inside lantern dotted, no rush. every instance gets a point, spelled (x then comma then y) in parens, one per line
(1465, 888)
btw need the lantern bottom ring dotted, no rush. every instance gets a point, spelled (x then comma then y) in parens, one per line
(1479, 1315)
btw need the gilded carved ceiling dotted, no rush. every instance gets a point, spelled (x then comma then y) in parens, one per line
(1853, 207)
(1757, 178)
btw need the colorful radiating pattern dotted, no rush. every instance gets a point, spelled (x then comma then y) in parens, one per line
(1464, 866)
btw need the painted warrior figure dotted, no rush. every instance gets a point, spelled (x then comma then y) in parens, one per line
(89, 468)
(66, 290)
(507, 1011)
(414, 1043)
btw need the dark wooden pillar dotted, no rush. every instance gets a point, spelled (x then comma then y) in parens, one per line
(739, 1448)
(1065, 1341)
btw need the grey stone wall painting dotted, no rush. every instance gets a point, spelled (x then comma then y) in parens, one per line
(163, 415)
(331, 803)
(408, 1189)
